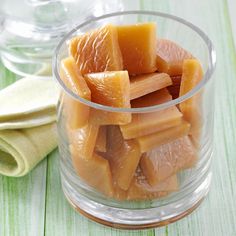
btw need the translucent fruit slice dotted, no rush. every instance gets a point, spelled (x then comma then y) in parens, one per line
(77, 113)
(174, 91)
(101, 141)
(191, 108)
(176, 80)
(147, 123)
(94, 171)
(124, 156)
(140, 189)
(143, 84)
(84, 140)
(152, 99)
(138, 47)
(119, 194)
(166, 160)
(110, 89)
(170, 57)
(157, 139)
(97, 50)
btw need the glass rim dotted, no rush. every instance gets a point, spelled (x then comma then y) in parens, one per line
(207, 75)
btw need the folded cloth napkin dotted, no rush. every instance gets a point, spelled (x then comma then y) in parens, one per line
(27, 124)
(28, 102)
(21, 150)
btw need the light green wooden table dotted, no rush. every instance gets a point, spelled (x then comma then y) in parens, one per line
(34, 205)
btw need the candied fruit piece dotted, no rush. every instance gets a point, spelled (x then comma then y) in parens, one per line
(166, 160)
(148, 142)
(151, 122)
(170, 57)
(138, 47)
(176, 80)
(123, 156)
(110, 89)
(191, 108)
(94, 171)
(174, 91)
(84, 139)
(101, 139)
(76, 83)
(141, 85)
(119, 194)
(140, 189)
(152, 99)
(97, 50)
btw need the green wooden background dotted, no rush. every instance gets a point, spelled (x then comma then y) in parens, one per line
(34, 205)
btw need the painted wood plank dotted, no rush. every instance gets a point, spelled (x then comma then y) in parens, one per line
(217, 214)
(22, 200)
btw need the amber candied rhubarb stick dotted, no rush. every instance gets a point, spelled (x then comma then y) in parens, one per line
(97, 50)
(191, 108)
(141, 85)
(84, 140)
(138, 47)
(152, 99)
(151, 122)
(167, 159)
(148, 142)
(174, 91)
(110, 89)
(101, 141)
(140, 189)
(170, 57)
(75, 82)
(176, 80)
(94, 171)
(123, 156)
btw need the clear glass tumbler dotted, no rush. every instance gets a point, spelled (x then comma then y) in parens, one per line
(159, 173)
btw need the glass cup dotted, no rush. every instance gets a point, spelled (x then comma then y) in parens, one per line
(31, 29)
(159, 173)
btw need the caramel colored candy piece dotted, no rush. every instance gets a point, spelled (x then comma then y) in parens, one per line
(101, 139)
(94, 171)
(176, 80)
(191, 108)
(97, 50)
(170, 57)
(119, 194)
(174, 91)
(152, 99)
(138, 47)
(77, 113)
(124, 156)
(157, 139)
(151, 122)
(84, 140)
(140, 189)
(141, 85)
(110, 89)
(166, 160)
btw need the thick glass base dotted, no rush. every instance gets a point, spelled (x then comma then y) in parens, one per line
(137, 218)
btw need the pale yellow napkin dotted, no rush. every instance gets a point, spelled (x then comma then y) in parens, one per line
(28, 102)
(21, 150)
(27, 124)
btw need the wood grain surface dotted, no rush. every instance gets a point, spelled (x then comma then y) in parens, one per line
(34, 205)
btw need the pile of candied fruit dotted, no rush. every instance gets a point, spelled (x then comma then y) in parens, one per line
(124, 155)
